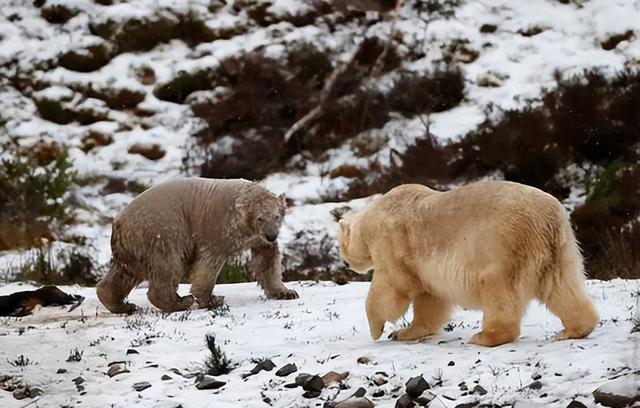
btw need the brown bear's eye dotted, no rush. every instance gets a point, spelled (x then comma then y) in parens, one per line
(260, 218)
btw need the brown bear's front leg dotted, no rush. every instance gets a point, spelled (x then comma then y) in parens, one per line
(384, 303)
(204, 274)
(265, 267)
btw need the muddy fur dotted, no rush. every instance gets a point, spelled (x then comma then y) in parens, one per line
(491, 245)
(188, 228)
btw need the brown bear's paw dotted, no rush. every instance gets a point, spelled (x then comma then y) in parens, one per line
(123, 308)
(283, 294)
(212, 302)
(411, 334)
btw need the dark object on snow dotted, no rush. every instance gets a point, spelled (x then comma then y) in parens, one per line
(405, 401)
(576, 404)
(209, 383)
(314, 383)
(478, 389)
(22, 303)
(287, 369)
(266, 365)
(141, 386)
(311, 394)
(416, 386)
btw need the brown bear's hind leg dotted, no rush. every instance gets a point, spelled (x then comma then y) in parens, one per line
(115, 287)
(429, 314)
(163, 285)
(502, 307)
(203, 276)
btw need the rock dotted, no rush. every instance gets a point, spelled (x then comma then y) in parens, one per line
(379, 379)
(478, 389)
(78, 380)
(467, 405)
(536, 385)
(286, 370)
(266, 365)
(61, 371)
(116, 369)
(576, 404)
(364, 360)
(166, 377)
(209, 383)
(311, 394)
(536, 377)
(416, 386)
(422, 401)
(355, 403)
(451, 363)
(314, 383)
(378, 393)
(141, 386)
(132, 351)
(334, 377)
(302, 378)
(360, 392)
(619, 393)
(488, 28)
(405, 401)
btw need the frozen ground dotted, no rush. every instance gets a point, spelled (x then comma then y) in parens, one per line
(324, 330)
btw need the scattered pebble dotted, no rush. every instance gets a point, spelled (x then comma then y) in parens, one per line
(141, 386)
(478, 389)
(286, 370)
(314, 383)
(208, 382)
(334, 377)
(166, 377)
(405, 401)
(116, 369)
(132, 351)
(416, 386)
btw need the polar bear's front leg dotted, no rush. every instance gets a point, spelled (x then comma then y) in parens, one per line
(429, 314)
(265, 267)
(384, 303)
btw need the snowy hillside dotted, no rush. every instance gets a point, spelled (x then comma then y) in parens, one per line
(123, 86)
(325, 330)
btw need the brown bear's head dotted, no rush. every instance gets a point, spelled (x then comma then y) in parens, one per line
(353, 247)
(263, 212)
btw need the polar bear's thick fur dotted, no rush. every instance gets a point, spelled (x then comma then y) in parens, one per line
(187, 229)
(491, 245)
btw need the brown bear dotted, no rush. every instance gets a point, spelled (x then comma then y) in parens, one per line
(187, 229)
(491, 245)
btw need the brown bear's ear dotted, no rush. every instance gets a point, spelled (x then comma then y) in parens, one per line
(283, 200)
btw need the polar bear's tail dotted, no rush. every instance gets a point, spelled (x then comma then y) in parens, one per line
(563, 288)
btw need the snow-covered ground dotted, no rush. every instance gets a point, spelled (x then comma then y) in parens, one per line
(325, 330)
(518, 67)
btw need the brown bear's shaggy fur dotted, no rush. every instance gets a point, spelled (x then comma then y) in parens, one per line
(188, 228)
(490, 245)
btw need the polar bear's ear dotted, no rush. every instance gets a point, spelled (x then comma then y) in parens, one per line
(344, 226)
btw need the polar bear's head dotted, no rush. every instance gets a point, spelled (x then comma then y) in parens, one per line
(353, 247)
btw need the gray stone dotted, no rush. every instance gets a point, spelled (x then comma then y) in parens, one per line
(416, 386)
(314, 383)
(405, 401)
(141, 386)
(286, 370)
(209, 383)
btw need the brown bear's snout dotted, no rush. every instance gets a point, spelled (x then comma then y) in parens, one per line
(271, 237)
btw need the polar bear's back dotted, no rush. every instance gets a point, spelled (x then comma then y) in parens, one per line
(455, 237)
